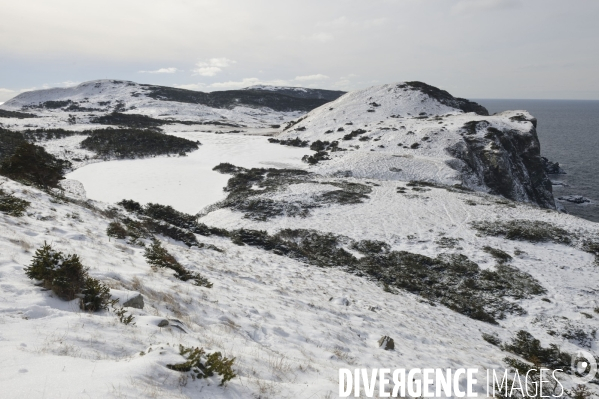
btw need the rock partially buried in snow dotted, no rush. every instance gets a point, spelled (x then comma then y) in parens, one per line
(576, 199)
(386, 343)
(163, 323)
(135, 302)
(128, 299)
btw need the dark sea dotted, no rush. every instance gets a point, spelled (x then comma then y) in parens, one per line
(569, 134)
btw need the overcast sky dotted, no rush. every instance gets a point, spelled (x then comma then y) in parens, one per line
(472, 48)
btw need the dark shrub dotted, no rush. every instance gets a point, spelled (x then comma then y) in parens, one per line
(63, 274)
(116, 230)
(68, 277)
(529, 348)
(498, 254)
(11, 205)
(215, 363)
(157, 255)
(133, 143)
(130, 205)
(129, 120)
(33, 164)
(525, 230)
(96, 296)
(15, 114)
(492, 339)
(169, 214)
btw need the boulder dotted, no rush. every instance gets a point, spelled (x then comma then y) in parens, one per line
(163, 323)
(386, 343)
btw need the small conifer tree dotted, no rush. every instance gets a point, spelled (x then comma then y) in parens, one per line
(68, 278)
(96, 296)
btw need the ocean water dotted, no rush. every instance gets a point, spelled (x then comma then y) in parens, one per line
(569, 134)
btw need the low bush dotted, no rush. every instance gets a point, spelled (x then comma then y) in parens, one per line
(371, 247)
(130, 120)
(121, 313)
(15, 114)
(214, 363)
(130, 205)
(296, 142)
(529, 348)
(498, 254)
(134, 143)
(156, 255)
(116, 230)
(11, 205)
(354, 134)
(32, 164)
(67, 278)
(524, 230)
(492, 339)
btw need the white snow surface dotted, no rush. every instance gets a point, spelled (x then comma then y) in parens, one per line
(289, 325)
(187, 183)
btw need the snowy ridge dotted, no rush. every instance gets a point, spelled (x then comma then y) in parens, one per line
(400, 133)
(100, 97)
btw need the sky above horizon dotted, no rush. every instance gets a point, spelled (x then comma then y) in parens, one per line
(541, 49)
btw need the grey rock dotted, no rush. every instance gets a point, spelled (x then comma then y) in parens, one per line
(136, 302)
(552, 168)
(163, 323)
(576, 199)
(386, 343)
(560, 207)
(504, 162)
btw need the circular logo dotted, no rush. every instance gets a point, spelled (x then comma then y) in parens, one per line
(584, 367)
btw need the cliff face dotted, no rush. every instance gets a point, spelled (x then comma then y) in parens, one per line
(507, 161)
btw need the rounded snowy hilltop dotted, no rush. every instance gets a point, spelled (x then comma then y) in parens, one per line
(413, 131)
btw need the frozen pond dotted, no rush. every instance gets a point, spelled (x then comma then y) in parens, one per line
(186, 183)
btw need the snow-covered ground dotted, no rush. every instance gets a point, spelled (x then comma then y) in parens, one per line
(186, 183)
(289, 325)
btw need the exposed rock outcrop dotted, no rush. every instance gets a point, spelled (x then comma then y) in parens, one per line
(575, 199)
(447, 99)
(507, 161)
(552, 168)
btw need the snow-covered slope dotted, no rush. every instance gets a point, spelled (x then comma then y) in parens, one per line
(412, 131)
(289, 325)
(388, 257)
(91, 99)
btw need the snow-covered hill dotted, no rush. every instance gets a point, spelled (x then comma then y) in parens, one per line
(310, 264)
(61, 107)
(412, 131)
